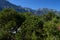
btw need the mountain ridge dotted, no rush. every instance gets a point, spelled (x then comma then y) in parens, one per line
(7, 4)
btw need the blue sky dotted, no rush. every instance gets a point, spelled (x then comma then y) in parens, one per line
(35, 4)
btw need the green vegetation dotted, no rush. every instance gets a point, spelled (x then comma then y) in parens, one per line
(25, 26)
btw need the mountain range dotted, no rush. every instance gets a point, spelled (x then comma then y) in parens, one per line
(6, 4)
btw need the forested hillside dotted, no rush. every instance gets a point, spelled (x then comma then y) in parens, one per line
(18, 26)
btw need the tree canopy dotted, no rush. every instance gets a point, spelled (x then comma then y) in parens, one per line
(25, 26)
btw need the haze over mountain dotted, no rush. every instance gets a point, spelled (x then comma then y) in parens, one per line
(6, 4)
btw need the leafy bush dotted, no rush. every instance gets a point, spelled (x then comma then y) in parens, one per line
(25, 26)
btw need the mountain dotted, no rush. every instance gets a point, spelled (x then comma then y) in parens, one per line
(6, 4)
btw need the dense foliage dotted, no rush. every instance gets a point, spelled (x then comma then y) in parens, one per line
(25, 26)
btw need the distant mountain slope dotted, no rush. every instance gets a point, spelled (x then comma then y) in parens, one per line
(6, 4)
